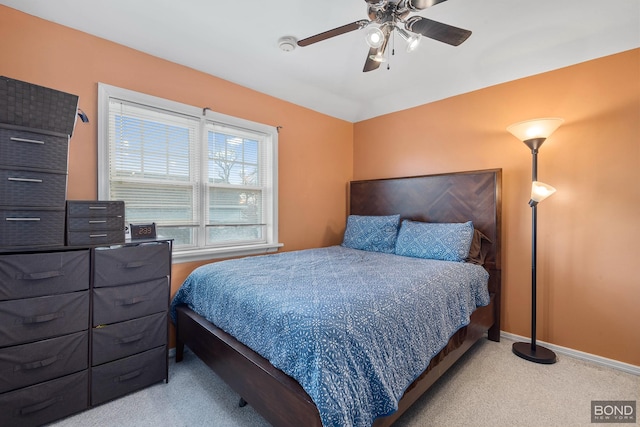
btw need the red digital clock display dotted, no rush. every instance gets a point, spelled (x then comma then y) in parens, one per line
(143, 231)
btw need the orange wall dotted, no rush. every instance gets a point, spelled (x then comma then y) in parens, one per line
(315, 150)
(588, 232)
(587, 242)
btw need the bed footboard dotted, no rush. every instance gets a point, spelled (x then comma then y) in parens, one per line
(278, 397)
(274, 395)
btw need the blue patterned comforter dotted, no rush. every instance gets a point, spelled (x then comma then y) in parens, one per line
(354, 328)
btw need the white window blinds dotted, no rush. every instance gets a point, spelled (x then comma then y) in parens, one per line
(153, 164)
(237, 180)
(207, 180)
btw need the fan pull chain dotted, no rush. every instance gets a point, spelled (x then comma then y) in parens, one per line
(393, 49)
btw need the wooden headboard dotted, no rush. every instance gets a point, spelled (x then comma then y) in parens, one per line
(451, 197)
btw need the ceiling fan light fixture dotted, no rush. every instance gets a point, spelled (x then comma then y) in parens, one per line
(413, 40)
(378, 57)
(374, 37)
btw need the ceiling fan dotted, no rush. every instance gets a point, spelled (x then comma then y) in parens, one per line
(389, 15)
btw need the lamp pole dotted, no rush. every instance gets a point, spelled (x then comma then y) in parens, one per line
(533, 133)
(533, 352)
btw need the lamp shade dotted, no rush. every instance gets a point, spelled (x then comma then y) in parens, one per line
(540, 191)
(535, 129)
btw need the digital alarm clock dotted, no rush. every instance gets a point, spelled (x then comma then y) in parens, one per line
(143, 231)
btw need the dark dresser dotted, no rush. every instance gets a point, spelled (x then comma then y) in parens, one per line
(81, 323)
(35, 126)
(44, 336)
(80, 326)
(130, 324)
(94, 222)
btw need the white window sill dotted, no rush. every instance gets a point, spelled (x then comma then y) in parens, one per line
(215, 253)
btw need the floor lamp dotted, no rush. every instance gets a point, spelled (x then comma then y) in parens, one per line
(533, 133)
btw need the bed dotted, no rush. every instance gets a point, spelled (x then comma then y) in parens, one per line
(281, 400)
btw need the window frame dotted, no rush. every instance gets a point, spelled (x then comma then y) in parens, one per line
(207, 118)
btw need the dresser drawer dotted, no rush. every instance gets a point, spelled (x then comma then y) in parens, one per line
(97, 237)
(95, 208)
(96, 224)
(33, 189)
(23, 149)
(131, 264)
(28, 364)
(31, 319)
(42, 403)
(119, 303)
(32, 275)
(31, 227)
(123, 339)
(132, 373)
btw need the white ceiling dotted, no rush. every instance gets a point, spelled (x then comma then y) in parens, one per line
(238, 41)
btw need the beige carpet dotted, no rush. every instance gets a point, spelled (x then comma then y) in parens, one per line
(491, 387)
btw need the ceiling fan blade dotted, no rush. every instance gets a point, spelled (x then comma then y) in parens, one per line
(332, 33)
(370, 64)
(437, 30)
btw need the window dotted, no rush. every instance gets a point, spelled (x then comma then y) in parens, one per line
(207, 180)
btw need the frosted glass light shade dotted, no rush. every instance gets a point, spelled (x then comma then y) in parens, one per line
(413, 41)
(540, 191)
(374, 37)
(534, 129)
(378, 57)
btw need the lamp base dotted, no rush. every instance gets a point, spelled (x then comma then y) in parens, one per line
(538, 355)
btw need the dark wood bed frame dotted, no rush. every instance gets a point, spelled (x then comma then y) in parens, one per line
(453, 197)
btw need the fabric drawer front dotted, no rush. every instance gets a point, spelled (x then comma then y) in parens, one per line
(123, 376)
(32, 275)
(95, 208)
(31, 227)
(45, 402)
(28, 364)
(124, 339)
(22, 149)
(131, 264)
(33, 189)
(96, 224)
(97, 237)
(119, 303)
(32, 319)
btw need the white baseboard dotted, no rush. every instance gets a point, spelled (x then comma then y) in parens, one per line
(598, 360)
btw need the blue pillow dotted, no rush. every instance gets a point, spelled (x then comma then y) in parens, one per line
(372, 233)
(442, 241)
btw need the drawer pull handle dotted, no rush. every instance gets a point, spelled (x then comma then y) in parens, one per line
(93, 236)
(42, 275)
(97, 207)
(37, 181)
(132, 338)
(40, 406)
(95, 221)
(132, 301)
(22, 219)
(134, 264)
(129, 376)
(43, 318)
(30, 141)
(37, 364)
